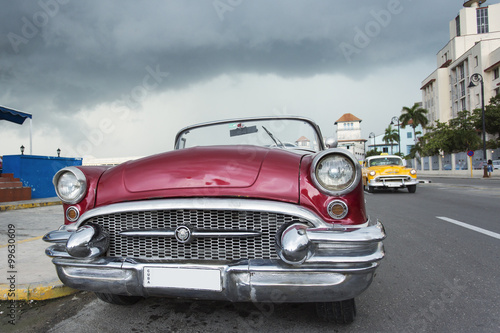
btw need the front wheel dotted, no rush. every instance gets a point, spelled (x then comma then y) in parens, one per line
(412, 188)
(342, 312)
(118, 299)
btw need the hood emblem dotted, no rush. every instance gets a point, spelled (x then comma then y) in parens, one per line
(183, 234)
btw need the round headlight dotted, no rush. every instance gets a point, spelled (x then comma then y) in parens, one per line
(70, 184)
(335, 171)
(372, 173)
(413, 171)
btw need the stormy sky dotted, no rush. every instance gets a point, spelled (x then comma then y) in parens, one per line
(119, 78)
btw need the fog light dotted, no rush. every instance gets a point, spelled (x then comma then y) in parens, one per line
(72, 214)
(88, 241)
(337, 209)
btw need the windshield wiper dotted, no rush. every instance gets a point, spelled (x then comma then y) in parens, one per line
(275, 139)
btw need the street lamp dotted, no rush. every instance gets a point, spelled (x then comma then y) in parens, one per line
(393, 120)
(372, 135)
(58, 152)
(22, 150)
(478, 78)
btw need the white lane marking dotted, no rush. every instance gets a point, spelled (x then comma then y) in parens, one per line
(471, 227)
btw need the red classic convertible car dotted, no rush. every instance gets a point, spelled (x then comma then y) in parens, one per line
(246, 210)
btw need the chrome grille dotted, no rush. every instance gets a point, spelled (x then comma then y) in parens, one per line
(215, 248)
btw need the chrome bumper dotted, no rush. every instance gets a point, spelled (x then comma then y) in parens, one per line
(392, 183)
(340, 265)
(255, 280)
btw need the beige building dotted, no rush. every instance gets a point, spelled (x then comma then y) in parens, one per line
(349, 135)
(474, 47)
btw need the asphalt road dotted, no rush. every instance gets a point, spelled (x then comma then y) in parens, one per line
(440, 274)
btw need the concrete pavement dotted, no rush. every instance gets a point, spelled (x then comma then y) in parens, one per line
(28, 274)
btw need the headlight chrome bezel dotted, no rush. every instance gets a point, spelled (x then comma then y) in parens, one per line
(350, 186)
(80, 183)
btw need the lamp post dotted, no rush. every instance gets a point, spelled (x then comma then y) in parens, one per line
(22, 150)
(372, 135)
(58, 152)
(393, 121)
(479, 78)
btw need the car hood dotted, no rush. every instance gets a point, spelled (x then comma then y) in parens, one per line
(249, 171)
(389, 169)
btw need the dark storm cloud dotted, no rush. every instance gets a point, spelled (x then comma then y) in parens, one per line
(61, 56)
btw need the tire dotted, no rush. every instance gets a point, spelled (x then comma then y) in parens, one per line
(370, 189)
(412, 188)
(342, 312)
(118, 299)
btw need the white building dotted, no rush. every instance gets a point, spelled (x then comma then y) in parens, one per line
(349, 135)
(406, 138)
(474, 47)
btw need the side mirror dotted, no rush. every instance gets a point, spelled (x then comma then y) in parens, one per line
(331, 142)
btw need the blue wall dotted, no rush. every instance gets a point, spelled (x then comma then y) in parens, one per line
(37, 171)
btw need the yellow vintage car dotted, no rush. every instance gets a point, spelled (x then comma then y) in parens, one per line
(388, 171)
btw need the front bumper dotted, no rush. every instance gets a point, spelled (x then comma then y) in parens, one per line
(323, 263)
(255, 280)
(392, 182)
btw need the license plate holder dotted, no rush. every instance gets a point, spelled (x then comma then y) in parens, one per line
(183, 278)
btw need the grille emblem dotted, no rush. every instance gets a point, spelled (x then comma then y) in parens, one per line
(183, 234)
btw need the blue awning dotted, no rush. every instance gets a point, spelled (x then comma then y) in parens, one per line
(14, 116)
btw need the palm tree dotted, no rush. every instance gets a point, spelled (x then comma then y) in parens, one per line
(390, 135)
(414, 116)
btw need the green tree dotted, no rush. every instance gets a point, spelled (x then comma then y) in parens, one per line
(491, 120)
(458, 135)
(414, 116)
(390, 136)
(372, 152)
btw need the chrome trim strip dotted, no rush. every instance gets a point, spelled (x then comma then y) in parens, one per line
(57, 251)
(195, 233)
(57, 236)
(359, 259)
(374, 233)
(206, 204)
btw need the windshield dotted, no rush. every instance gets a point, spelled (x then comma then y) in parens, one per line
(386, 161)
(282, 133)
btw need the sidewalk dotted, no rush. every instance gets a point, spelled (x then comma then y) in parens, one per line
(30, 275)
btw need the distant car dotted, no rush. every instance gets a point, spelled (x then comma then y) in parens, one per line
(478, 165)
(224, 216)
(388, 171)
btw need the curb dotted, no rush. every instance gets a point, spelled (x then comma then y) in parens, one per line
(35, 292)
(28, 204)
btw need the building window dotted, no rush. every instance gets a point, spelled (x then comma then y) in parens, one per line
(409, 135)
(385, 150)
(457, 24)
(482, 20)
(496, 73)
